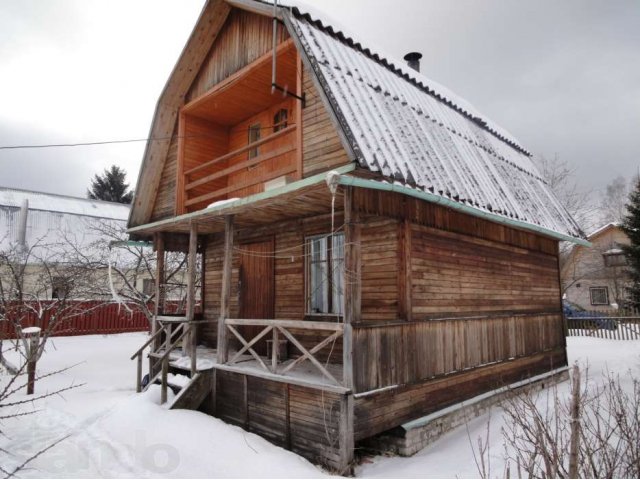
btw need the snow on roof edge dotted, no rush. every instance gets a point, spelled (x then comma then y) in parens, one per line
(327, 24)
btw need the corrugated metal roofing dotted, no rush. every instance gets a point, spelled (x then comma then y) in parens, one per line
(51, 202)
(413, 131)
(57, 223)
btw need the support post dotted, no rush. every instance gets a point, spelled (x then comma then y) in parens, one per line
(159, 297)
(352, 282)
(352, 304)
(225, 291)
(191, 295)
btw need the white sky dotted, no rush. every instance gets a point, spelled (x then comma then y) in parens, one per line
(563, 77)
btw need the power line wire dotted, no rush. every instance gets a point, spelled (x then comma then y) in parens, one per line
(129, 140)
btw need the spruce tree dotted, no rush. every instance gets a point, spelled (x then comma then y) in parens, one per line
(631, 227)
(110, 186)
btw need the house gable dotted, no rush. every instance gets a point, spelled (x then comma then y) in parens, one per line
(243, 40)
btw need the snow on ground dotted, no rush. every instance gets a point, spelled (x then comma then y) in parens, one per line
(452, 456)
(115, 433)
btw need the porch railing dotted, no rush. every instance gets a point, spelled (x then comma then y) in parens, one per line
(277, 328)
(615, 328)
(174, 330)
(191, 183)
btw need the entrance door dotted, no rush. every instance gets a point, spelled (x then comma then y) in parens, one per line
(257, 290)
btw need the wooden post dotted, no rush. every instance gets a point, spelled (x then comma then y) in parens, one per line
(404, 270)
(574, 446)
(139, 374)
(275, 346)
(159, 304)
(225, 291)
(32, 335)
(191, 294)
(352, 304)
(352, 282)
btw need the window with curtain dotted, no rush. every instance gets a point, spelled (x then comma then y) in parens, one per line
(325, 267)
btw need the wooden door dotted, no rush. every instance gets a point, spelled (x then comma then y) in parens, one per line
(257, 287)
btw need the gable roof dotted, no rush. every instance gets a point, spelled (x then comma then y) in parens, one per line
(415, 132)
(54, 203)
(56, 223)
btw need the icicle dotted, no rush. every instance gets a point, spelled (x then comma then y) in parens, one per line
(333, 179)
(114, 294)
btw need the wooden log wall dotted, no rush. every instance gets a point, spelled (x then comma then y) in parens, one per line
(301, 419)
(321, 146)
(289, 253)
(384, 410)
(472, 294)
(244, 38)
(165, 200)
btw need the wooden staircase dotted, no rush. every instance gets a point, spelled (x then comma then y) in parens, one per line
(190, 384)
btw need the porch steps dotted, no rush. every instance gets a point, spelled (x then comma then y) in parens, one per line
(191, 395)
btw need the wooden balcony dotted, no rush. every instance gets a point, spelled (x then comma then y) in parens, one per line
(241, 135)
(237, 174)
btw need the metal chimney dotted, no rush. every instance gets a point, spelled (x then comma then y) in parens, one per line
(22, 224)
(413, 60)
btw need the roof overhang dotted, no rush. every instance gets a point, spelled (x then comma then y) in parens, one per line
(304, 198)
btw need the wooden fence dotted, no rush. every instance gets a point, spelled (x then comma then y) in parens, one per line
(81, 318)
(615, 328)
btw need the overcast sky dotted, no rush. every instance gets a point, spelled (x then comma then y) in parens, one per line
(562, 75)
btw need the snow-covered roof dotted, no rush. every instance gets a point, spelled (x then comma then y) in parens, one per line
(56, 222)
(51, 202)
(603, 228)
(418, 133)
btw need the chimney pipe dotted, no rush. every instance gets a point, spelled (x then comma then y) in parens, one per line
(22, 224)
(413, 60)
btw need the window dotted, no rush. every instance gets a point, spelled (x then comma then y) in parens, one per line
(60, 288)
(254, 136)
(599, 295)
(325, 285)
(148, 286)
(280, 120)
(614, 258)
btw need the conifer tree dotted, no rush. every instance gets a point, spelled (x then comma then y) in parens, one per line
(110, 186)
(631, 226)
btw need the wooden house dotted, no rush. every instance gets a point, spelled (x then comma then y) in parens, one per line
(373, 249)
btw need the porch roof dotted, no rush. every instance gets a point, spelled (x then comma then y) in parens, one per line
(304, 198)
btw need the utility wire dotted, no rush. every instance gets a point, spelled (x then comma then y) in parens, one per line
(129, 140)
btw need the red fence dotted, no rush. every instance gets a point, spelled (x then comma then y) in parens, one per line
(82, 318)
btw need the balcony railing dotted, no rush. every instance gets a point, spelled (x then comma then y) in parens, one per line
(190, 182)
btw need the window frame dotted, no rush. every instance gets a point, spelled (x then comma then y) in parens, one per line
(253, 128)
(280, 123)
(328, 280)
(606, 294)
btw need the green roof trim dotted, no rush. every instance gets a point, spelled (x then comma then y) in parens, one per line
(430, 197)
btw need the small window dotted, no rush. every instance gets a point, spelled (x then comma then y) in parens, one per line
(325, 286)
(280, 120)
(599, 295)
(254, 136)
(615, 259)
(148, 286)
(60, 288)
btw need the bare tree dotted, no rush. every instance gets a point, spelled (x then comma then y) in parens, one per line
(560, 177)
(129, 269)
(614, 199)
(591, 433)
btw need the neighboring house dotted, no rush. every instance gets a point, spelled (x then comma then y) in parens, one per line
(595, 277)
(374, 226)
(48, 228)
